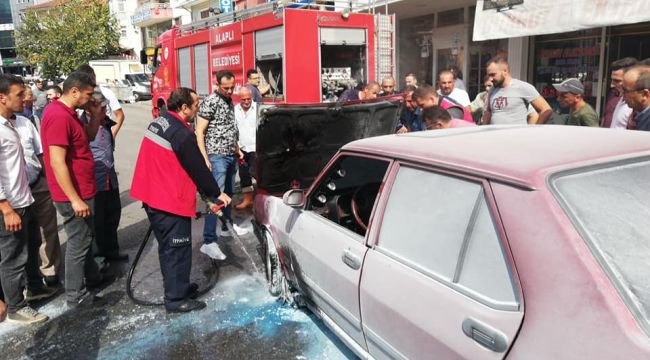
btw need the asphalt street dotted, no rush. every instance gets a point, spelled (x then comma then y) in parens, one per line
(241, 320)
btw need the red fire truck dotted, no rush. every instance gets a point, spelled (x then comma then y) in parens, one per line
(304, 55)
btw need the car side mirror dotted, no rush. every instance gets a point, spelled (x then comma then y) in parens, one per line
(294, 198)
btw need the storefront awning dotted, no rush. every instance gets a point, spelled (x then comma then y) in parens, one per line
(498, 19)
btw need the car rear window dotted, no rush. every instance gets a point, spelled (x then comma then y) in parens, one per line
(611, 208)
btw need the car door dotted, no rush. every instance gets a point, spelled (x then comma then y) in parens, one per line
(328, 244)
(438, 281)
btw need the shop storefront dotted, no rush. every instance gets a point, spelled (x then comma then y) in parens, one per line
(569, 55)
(433, 42)
(585, 55)
(415, 48)
(578, 39)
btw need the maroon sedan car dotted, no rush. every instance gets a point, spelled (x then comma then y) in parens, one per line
(479, 243)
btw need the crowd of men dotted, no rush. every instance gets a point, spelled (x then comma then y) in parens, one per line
(56, 156)
(509, 101)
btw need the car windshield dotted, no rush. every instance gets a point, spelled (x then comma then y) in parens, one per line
(611, 208)
(139, 77)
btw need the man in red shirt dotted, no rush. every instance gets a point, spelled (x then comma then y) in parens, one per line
(438, 118)
(426, 97)
(70, 171)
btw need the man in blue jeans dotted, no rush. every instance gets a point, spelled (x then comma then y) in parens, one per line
(217, 136)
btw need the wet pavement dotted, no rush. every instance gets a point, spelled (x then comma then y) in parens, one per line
(241, 321)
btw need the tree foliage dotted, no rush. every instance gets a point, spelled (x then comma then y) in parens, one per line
(71, 33)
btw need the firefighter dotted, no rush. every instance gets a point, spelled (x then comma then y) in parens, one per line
(168, 171)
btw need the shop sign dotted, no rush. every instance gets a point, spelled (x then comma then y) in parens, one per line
(498, 19)
(225, 6)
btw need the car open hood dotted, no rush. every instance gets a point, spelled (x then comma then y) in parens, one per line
(295, 142)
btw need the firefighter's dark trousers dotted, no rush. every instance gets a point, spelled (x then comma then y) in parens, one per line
(174, 234)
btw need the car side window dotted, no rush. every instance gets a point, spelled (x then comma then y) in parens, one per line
(441, 226)
(347, 193)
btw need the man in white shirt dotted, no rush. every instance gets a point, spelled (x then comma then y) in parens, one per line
(15, 200)
(246, 117)
(447, 87)
(44, 216)
(622, 111)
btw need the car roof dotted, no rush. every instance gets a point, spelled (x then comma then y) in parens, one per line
(521, 155)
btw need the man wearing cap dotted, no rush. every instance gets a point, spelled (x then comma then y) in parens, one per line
(571, 95)
(636, 92)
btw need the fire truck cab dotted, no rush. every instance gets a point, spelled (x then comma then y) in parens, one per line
(305, 56)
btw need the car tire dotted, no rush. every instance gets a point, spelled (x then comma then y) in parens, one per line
(136, 97)
(278, 284)
(273, 268)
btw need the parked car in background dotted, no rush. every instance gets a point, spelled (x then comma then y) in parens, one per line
(477, 243)
(125, 77)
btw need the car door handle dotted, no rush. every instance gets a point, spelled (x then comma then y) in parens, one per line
(485, 335)
(351, 260)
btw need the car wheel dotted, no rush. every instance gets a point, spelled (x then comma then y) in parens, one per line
(136, 97)
(279, 286)
(273, 268)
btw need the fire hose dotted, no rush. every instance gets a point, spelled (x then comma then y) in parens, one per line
(214, 208)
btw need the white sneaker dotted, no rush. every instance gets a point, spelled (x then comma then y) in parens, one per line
(213, 251)
(240, 230)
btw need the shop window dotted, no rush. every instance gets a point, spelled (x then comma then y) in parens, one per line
(569, 55)
(415, 48)
(629, 40)
(479, 53)
(451, 17)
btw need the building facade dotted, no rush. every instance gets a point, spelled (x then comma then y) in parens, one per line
(130, 38)
(432, 35)
(7, 43)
